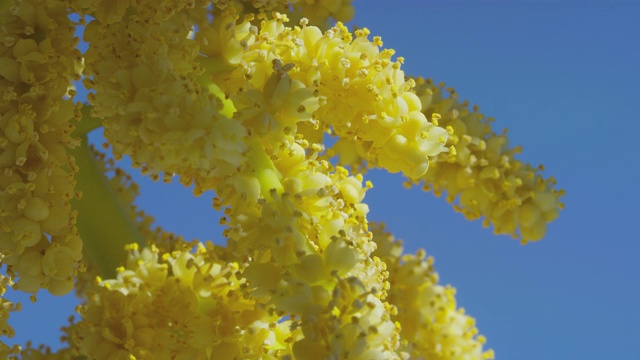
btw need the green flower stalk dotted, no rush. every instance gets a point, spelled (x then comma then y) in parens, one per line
(237, 97)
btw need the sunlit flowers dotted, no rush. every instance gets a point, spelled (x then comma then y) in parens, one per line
(238, 97)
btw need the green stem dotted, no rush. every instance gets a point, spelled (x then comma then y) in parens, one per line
(103, 224)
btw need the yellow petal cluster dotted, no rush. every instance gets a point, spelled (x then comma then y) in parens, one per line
(38, 60)
(145, 77)
(230, 97)
(377, 109)
(432, 326)
(296, 223)
(300, 226)
(351, 320)
(310, 258)
(177, 305)
(483, 177)
(379, 117)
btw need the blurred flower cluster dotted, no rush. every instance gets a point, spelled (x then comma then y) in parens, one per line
(237, 97)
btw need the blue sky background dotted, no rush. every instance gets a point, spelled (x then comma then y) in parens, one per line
(564, 78)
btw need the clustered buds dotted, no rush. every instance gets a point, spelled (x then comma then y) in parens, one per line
(483, 175)
(229, 96)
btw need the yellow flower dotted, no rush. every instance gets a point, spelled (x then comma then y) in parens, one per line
(187, 304)
(147, 91)
(379, 115)
(432, 327)
(230, 97)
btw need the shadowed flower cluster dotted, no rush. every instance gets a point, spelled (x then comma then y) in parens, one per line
(238, 98)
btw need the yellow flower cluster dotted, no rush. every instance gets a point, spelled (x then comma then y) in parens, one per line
(349, 76)
(145, 80)
(38, 60)
(483, 174)
(305, 217)
(179, 304)
(310, 252)
(231, 98)
(189, 305)
(432, 327)
(479, 174)
(282, 334)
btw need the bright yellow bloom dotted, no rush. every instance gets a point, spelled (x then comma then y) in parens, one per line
(165, 304)
(232, 96)
(349, 76)
(479, 173)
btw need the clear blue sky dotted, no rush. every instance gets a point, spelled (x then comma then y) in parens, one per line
(564, 78)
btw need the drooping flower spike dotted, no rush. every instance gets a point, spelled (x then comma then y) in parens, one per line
(480, 174)
(483, 174)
